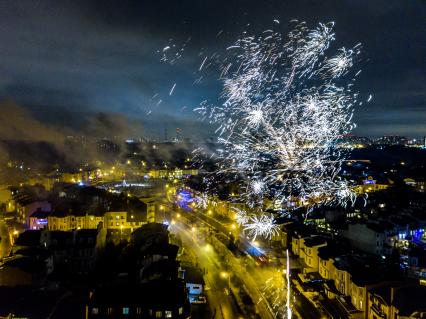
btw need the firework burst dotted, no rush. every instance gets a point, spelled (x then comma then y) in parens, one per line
(262, 225)
(202, 201)
(285, 106)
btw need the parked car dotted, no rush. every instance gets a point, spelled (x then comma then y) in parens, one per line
(199, 300)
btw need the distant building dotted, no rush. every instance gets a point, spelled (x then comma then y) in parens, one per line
(353, 276)
(150, 209)
(298, 241)
(26, 208)
(119, 221)
(371, 185)
(397, 301)
(418, 184)
(172, 173)
(391, 140)
(154, 299)
(309, 253)
(353, 141)
(38, 219)
(373, 238)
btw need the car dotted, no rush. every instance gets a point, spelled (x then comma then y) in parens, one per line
(261, 260)
(199, 300)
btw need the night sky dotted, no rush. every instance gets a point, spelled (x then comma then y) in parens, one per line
(65, 61)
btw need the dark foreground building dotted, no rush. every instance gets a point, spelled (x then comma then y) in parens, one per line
(154, 299)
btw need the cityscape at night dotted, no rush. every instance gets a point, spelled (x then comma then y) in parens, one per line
(235, 159)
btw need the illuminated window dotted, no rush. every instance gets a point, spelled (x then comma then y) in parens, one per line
(95, 311)
(158, 314)
(125, 310)
(109, 311)
(117, 224)
(117, 217)
(138, 310)
(168, 314)
(180, 310)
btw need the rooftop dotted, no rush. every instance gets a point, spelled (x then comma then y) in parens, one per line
(193, 275)
(157, 294)
(29, 238)
(315, 241)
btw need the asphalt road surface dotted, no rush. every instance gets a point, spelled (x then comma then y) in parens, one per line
(222, 306)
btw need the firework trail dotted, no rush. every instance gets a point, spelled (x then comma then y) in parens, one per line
(273, 291)
(277, 292)
(288, 299)
(285, 105)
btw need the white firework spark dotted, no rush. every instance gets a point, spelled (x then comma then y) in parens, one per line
(202, 201)
(257, 187)
(262, 225)
(241, 217)
(284, 109)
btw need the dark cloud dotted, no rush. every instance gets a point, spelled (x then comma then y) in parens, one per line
(105, 125)
(82, 57)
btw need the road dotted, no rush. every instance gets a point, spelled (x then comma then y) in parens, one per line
(265, 284)
(254, 287)
(5, 244)
(222, 306)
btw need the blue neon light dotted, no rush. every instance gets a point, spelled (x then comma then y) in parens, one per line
(41, 221)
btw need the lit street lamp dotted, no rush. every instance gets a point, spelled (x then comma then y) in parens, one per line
(226, 275)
